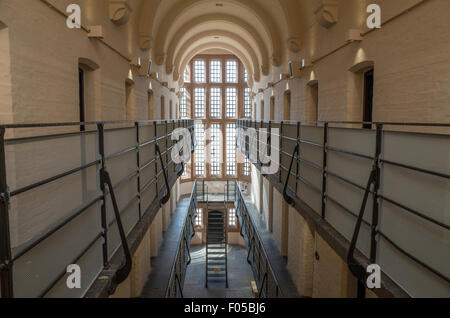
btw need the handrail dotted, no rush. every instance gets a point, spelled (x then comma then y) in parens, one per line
(347, 123)
(329, 171)
(178, 269)
(247, 224)
(8, 258)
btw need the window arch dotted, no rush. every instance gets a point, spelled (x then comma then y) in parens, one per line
(218, 92)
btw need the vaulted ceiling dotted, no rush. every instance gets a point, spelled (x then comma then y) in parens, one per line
(260, 32)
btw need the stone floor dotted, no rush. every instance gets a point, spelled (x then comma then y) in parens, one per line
(240, 276)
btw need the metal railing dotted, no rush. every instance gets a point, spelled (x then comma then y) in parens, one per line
(257, 257)
(182, 255)
(398, 220)
(55, 209)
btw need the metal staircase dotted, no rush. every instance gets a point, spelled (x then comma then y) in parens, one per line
(216, 243)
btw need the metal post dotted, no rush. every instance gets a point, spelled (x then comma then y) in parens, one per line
(324, 171)
(6, 269)
(101, 149)
(281, 149)
(156, 162)
(376, 187)
(297, 171)
(138, 162)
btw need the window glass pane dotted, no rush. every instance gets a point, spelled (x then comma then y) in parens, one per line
(245, 76)
(199, 71)
(216, 72)
(216, 102)
(247, 103)
(231, 149)
(200, 103)
(183, 103)
(187, 75)
(199, 218)
(247, 167)
(232, 222)
(200, 149)
(216, 144)
(232, 71)
(232, 100)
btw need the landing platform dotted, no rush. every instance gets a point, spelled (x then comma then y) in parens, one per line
(240, 276)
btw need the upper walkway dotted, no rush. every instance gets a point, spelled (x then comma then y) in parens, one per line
(156, 285)
(278, 263)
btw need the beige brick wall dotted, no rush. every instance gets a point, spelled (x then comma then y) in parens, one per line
(301, 253)
(332, 278)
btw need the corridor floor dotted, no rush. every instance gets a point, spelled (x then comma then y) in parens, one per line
(240, 276)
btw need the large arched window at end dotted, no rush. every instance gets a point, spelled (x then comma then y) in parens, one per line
(89, 105)
(6, 115)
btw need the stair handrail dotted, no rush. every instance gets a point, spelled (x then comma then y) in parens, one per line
(241, 208)
(175, 277)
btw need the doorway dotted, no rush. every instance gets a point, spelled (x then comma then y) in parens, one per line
(368, 99)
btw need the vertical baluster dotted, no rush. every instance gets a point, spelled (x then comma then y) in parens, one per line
(138, 167)
(375, 210)
(324, 171)
(101, 147)
(6, 266)
(279, 155)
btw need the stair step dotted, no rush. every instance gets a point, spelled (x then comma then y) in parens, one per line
(216, 258)
(216, 275)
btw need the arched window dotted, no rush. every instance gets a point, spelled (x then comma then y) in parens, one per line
(219, 96)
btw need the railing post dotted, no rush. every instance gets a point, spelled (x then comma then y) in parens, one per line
(101, 148)
(324, 169)
(297, 171)
(156, 161)
(6, 269)
(279, 155)
(375, 211)
(138, 162)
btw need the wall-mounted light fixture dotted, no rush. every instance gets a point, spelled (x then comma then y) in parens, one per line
(284, 76)
(296, 67)
(354, 35)
(95, 31)
(154, 75)
(136, 61)
(145, 69)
